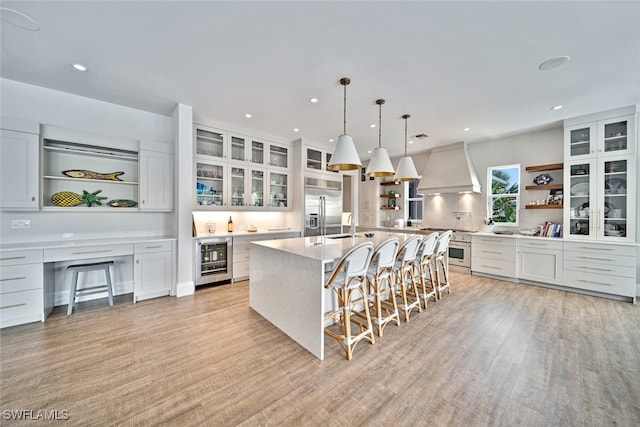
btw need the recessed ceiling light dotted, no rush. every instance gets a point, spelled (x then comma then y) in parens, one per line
(296, 130)
(466, 129)
(556, 107)
(248, 115)
(411, 141)
(331, 139)
(372, 125)
(552, 63)
(313, 100)
(79, 67)
(18, 19)
(369, 151)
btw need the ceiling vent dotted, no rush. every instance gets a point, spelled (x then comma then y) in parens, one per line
(421, 136)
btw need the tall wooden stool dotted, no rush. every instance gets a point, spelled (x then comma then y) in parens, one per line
(75, 292)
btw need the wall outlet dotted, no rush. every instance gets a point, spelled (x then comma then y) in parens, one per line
(67, 235)
(20, 223)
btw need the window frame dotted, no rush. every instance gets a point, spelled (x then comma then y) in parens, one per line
(491, 196)
(418, 199)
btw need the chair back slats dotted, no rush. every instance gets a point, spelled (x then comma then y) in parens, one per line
(354, 262)
(408, 249)
(385, 254)
(428, 245)
(442, 245)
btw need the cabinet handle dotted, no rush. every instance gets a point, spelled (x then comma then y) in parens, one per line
(13, 257)
(143, 202)
(12, 278)
(13, 306)
(492, 252)
(153, 247)
(137, 261)
(596, 258)
(537, 244)
(595, 283)
(596, 249)
(595, 268)
(491, 266)
(33, 198)
(91, 252)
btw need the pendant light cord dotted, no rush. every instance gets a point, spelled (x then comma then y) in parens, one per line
(344, 123)
(380, 125)
(405, 135)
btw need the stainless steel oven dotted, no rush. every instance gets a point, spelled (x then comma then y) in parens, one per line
(214, 261)
(460, 254)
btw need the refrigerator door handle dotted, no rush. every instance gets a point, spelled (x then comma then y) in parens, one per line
(323, 225)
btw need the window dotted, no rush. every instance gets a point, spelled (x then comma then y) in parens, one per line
(504, 200)
(415, 202)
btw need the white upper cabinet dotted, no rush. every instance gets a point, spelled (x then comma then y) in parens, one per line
(317, 159)
(210, 143)
(279, 156)
(19, 170)
(156, 181)
(601, 138)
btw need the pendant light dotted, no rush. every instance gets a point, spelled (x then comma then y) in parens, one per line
(380, 163)
(345, 156)
(406, 169)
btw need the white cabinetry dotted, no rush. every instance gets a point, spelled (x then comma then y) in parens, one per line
(22, 296)
(540, 260)
(368, 206)
(597, 267)
(19, 165)
(241, 251)
(495, 256)
(317, 159)
(152, 269)
(156, 181)
(246, 186)
(600, 176)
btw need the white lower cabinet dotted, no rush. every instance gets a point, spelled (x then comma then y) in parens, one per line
(605, 268)
(494, 255)
(241, 250)
(22, 296)
(152, 270)
(540, 260)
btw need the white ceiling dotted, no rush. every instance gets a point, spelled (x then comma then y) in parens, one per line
(450, 65)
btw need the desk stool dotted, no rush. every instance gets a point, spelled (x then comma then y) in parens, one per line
(75, 292)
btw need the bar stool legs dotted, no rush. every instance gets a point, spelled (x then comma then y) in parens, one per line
(75, 292)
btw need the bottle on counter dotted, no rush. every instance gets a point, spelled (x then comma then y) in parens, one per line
(230, 225)
(409, 222)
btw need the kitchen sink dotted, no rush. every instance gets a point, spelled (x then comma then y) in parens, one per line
(347, 236)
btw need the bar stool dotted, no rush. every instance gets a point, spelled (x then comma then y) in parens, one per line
(75, 292)
(424, 265)
(404, 269)
(348, 282)
(442, 252)
(381, 287)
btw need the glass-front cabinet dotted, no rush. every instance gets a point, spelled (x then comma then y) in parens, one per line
(279, 156)
(279, 190)
(600, 206)
(317, 159)
(210, 143)
(247, 186)
(210, 188)
(603, 138)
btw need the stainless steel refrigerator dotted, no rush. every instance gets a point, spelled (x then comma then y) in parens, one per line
(322, 206)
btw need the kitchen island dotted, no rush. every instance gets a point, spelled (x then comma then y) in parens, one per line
(287, 277)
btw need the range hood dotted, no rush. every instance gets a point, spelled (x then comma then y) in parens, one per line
(449, 170)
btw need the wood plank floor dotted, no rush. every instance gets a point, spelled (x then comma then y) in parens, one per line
(492, 353)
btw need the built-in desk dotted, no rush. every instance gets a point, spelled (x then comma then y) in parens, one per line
(287, 278)
(28, 271)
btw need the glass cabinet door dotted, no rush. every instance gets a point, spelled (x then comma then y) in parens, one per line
(257, 188)
(581, 141)
(257, 152)
(238, 179)
(209, 184)
(617, 136)
(581, 179)
(614, 222)
(314, 159)
(210, 142)
(278, 156)
(278, 190)
(238, 148)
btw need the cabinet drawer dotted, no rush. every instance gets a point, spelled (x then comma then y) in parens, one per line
(593, 248)
(600, 259)
(240, 257)
(502, 241)
(600, 283)
(85, 252)
(540, 244)
(494, 266)
(604, 269)
(16, 278)
(149, 247)
(17, 308)
(240, 269)
(31, 256)
(483, 250)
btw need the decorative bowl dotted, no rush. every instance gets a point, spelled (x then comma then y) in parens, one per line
(529, 231)
(368, 235)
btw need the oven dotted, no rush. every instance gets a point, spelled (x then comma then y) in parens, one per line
(213, 260)
(460, 254)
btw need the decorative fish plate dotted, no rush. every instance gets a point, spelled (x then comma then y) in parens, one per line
(85, 174)
(122, 203)
(68, 199)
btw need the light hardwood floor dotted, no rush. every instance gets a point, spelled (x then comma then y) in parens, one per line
(492, 353)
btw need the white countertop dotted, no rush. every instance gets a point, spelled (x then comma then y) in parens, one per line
(325, 248)
(224, 233)
(52, 244)
(556, 239)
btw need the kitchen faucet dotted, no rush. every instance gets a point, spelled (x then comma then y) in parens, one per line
(352, 228)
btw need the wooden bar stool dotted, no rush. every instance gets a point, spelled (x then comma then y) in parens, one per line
(406, 280)
(425, 268)
(75, 292)
(442, 252)
(381, 286)
(348, 282)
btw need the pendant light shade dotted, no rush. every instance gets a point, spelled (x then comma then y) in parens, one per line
(345, 156)
(406, 169)
(380, 163)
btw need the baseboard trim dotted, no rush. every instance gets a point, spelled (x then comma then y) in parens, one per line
(185, 288)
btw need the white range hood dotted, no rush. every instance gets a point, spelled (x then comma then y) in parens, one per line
(449, 170)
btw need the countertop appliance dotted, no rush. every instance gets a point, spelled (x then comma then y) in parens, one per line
(322, 206)
(213, 260)
(459, 248)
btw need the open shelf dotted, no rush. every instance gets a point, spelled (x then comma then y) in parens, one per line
(390, 196)
(541, 168)
(389, 208)
(544, 207)
(544, 187)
